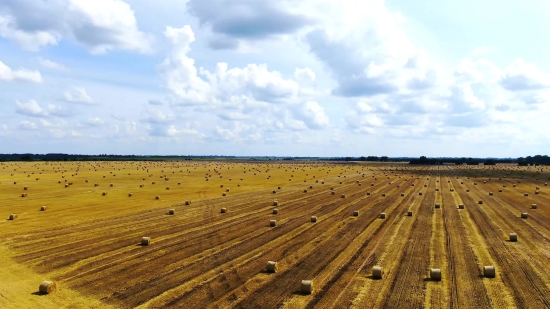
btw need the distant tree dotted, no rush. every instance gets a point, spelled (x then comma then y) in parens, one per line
(384, 159)
(489, 162)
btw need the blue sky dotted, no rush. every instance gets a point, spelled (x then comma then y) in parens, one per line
(300, 77)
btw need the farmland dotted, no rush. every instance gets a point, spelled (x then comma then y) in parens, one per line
(88, 237)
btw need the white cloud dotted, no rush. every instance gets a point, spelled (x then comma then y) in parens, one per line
(155, 102)
(7, 74)
(94, 122)
(99, 25)
(51, 64)
(27, 125)
(521, 75)
(305, 75)
(31, 108)
(80, 96)
(313, 115)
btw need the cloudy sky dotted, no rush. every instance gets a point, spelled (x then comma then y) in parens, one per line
(275, 77)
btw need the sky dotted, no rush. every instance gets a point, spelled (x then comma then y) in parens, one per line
(275, 77)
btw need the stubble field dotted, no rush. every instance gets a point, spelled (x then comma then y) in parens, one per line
(88, 238)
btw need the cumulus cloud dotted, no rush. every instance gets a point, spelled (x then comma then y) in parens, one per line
(31, 108)
(26, 75)
(246, 20)
(190, 86)
(80, 96)
(99, 25)
(94, 122)
(521, 75)
(313, 115)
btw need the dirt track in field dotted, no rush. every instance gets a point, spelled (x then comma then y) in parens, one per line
(203, 258)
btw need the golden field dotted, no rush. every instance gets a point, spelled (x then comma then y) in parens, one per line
(89, 243)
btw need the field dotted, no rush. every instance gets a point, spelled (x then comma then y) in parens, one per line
(88, 240)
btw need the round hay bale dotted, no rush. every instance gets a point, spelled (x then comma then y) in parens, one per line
(402, 194)
(356, 213)
(436, 189)
(167, 188)
(145, 241)
(311, 187)
(305, 190)
(343, 196)
(179, 183)
(274, 191)
(467, 190)
(13, 216)
(313, 219)
(24, 188)
(279, 188)
(419, 193)
(224, 194)
(533, 206)
(188, 202)
(460, 206)
(130, 194)
(223, 210)
(368, 192)
(489, 271)
(332, 192)
(275, 211)
(171, 211)
(24, 195)
(513, 237)
(43, 208)
(480, 202)
(104, 193)
(272, 223)
(275, 203)
(382, 215)
(110, 185)
(524, 215)
(157, 197)
(437, 205)
(383, 194)
(491, 193)
(499, 190)
(536, 192)
(514, 185)
(435, 274)
(227, 190)
(525, 194)
(377, 272)
(306, 287)
(141, 186)
(47, 287)
(271, 267)
(409, 213)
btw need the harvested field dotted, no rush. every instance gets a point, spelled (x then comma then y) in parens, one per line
(89, 244)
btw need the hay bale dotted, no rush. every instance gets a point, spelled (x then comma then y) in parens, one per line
(188, 202)
(224, 194)
(409, 213)
(279, 188)
(171, 211)
(145, 241)
(13, 216)
(343, 196)
(513, 237)
(43, 208)
(524, 215)
(467, 190)
(382, 215)
(480, 202)
(157, 197)
(489, 271)
(223, 210)
(525, 194)
(275, 203)
(460, 206)
(499, 190)
(306, 287)
(332, 192)
(47, 287)
(377, 272)
(272, 223)
(274, 191)
(536, 192)
(402, 194)
(356, 213)
(383, 194)
(436, 189)
(110, 185)
(24, 188)
(419, 193)
(437, 205)
(271, 267)
(435, 274)
(167, 188)
(275, 211)
(368, 192)
(313, 219)
(491, 193)
(533, 206)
